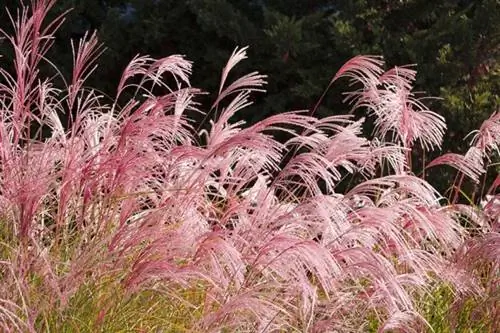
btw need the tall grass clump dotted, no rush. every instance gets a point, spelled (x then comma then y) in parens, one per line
(129, 218)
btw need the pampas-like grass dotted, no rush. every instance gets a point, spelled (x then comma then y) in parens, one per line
(128, 219)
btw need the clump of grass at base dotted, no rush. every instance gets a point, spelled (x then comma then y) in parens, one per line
(108, 308)
(446, 313)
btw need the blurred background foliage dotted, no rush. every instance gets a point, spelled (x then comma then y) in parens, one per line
(300, 44)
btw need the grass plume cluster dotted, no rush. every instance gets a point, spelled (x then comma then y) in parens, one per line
(130, 218)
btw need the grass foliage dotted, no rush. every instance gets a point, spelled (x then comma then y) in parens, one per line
(131, 218)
